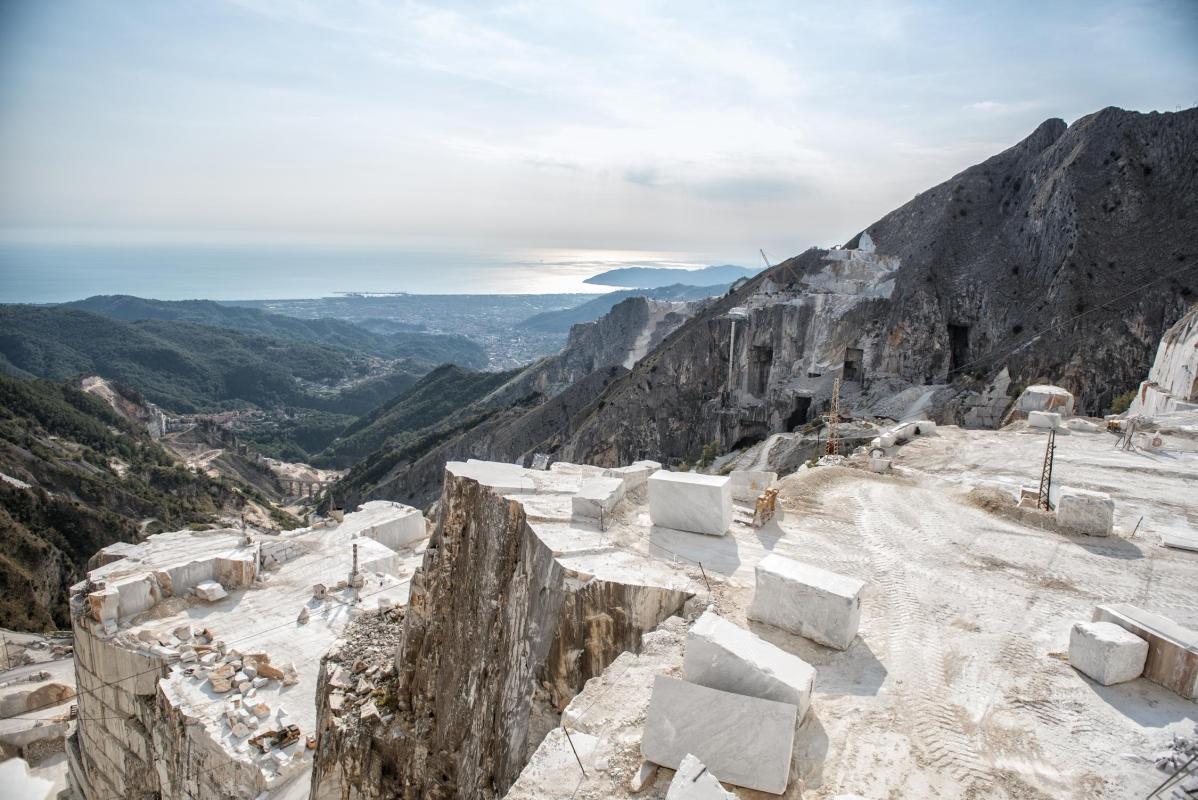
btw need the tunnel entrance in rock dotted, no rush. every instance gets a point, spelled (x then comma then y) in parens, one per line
(852, 364)
(958, 347)
(798, 416)
(760, 361)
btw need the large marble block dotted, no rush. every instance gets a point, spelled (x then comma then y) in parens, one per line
(597, 498)
(635, 476)
(688, 501)
(694, 781)
(1106, 652)
(748, 484)
(723, 655)
(1172, 649)
(746, 741)
(1043, 419)
(210, 591)
(1092, 513)
(812, 602)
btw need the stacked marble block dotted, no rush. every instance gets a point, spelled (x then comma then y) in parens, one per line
(1091, 513)
(814, 603)
(1106, 652)
(598, 497)
(736, 711)
(689, 501)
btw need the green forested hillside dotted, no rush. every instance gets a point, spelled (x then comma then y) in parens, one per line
(430, 401)
(187, 367)
(431, 349)
(76, 477)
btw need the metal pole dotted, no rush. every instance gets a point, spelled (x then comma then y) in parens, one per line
(576, 758)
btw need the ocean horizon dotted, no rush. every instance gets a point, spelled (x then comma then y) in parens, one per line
(40, 272)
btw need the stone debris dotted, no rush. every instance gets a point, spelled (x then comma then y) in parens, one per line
(689, 501)
(1181, 749)
(210, 591)
(1091, 513)
(693, 781)
(747, 741)
(303, 617)
(722, 655)
(1106, 652)
(643, 777)
(803, 599)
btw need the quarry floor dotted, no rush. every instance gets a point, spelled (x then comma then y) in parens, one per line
(958, 684)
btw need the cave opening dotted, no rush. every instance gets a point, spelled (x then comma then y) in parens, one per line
(958, 347)
(798, 416)
(852, 364)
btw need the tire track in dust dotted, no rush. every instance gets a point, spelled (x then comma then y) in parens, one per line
(915, 646)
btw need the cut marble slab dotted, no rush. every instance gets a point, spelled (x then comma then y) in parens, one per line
(722, 655)
(688, 501)
(822, 606)
(744, 740)
(597, 498)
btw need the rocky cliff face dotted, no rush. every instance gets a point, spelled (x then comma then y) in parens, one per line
(498, 636)
(1062, 260)
(539, 407)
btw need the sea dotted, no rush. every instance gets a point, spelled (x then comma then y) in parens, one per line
(45, 272)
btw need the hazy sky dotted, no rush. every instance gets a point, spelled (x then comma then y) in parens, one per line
(693, 126)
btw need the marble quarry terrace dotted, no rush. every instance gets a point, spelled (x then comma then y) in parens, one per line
(899, 626)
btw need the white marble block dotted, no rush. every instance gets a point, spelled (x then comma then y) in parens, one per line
(748, 484)
(812, 602)
(694, 781)
(725, 656)
(635, 476)
(210, 591)
(1043, 419)
(689, 501)
(1106, 652)
(746, 741)
(1092, 513)
(597, 498)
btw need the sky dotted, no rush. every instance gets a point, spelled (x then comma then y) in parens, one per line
(692, 127)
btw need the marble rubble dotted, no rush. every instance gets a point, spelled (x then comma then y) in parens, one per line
(690, 501)
(747, 741)
(694, 781)
(187, 645)
(812, 602)
(722, 655)
(1106, 652)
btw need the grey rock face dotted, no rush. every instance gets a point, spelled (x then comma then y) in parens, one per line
(1062, 259)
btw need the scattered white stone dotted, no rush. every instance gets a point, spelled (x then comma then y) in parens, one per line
(240, 731)
(1092, 513)
(812, 602)
(643, 777)
(689, 501)
(302, 619)
(693, 781)
(1106, 652)
(722, 655)
(210, 591)
(747, 741)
